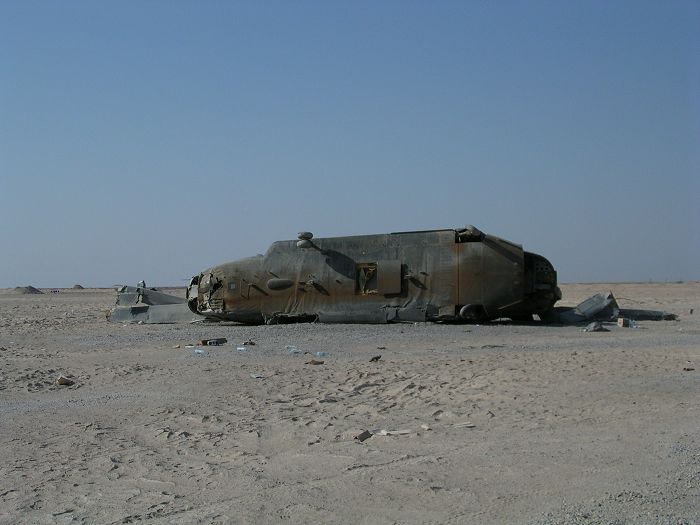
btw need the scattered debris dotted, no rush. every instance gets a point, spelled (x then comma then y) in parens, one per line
(364, 435)
(241, 349)
(595, 326)
(149, 306)
(214, 342)
(315, 362)
(393, 432)
(322, 354)
(426, 427)
(176, 346)
(623, 322)
(292, 349)
(375, 359)
(249, 342)
(690, 312)
(688, 369)
(200, 351)
(381, 348)
(604, 307)
(257, 376)
(63, 380)
(466, 424)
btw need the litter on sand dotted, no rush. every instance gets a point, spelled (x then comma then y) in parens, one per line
(595, 326)
(393, 432)
(213, 342)
(362, 436)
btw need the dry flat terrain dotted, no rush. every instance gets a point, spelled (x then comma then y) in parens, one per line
(493, 423)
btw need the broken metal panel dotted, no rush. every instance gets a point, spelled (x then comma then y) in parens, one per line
(149, 306)
(127, 295)
(604, 307)
(647, 315)
(130, 295)
(153, 314)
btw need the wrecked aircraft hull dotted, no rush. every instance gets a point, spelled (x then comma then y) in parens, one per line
(438, 275)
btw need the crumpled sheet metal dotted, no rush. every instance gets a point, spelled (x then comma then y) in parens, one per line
(148, 306)
(153, 314)
(129, 295)
(600, 307)
(604, 307)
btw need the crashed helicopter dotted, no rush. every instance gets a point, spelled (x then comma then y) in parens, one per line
(448, 275)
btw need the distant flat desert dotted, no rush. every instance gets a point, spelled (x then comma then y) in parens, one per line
(490, 423)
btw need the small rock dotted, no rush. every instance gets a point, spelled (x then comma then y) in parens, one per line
(63, 380)
(375, 359)
(315, 362)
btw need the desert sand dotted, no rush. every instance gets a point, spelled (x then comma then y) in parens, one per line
(494, 423)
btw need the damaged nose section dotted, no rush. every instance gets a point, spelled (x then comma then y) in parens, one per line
(205, 293)
(193, 293)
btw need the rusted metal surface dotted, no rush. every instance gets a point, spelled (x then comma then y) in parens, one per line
(439, 275)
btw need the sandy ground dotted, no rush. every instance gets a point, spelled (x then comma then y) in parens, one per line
(486, 424)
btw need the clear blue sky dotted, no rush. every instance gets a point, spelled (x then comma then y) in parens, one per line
(153, 139)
